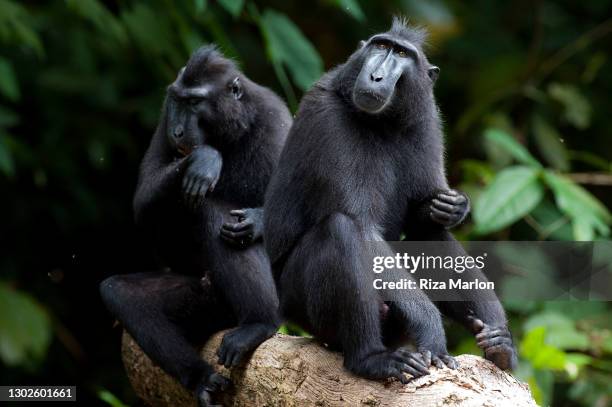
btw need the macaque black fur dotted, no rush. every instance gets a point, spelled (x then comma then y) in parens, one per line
(364, 161)
(198, 203)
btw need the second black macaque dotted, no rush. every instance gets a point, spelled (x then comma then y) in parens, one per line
(364, 161)
(198, 202)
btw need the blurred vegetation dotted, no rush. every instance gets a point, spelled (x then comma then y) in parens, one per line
(525, 92)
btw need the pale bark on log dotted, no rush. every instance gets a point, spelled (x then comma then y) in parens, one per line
(292, 371)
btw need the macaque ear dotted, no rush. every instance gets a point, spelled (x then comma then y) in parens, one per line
(433, 73)
(236, 88)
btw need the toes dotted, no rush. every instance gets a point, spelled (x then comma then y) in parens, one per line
(222, 354)
(487, 343)
(437, 362)
(402, 378)
(426, 356)
(204, 399)
(450, 361)
(492, 333)
(218, 382)
(413, 360)
(503, 356)
(476, 324)
(412, 371)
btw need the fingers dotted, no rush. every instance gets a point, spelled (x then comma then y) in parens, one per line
(452, 197)
(246, 224)
(490, 333)
(488, 343)
(212, 185)
(240, 213)
(197, 197)
(240, 237)
(439, 216)
(444, 207)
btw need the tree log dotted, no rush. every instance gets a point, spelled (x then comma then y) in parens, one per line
(293, 371)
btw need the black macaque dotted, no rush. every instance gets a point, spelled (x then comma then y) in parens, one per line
(364, 162)
(198, 201)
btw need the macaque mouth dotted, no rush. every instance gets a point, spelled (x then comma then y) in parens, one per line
(369, 100)
(184, 150)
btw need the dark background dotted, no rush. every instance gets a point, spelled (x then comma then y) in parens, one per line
(524, 90)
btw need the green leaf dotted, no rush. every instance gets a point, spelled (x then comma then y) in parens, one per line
(234, 7)
(550, 145)
(509, 144)
(577, 109)
(105, 22)
(200, 5)
(351, 7)
(512, 194)
(25, 327)
(9, 86)
(150, 33)
(589, 216)
(433, 12)
(560, 330)
(574, 362)
(542, 356)
(7, 164)
(8, 118)
(110, 398)
(286, 44)
(16, 26)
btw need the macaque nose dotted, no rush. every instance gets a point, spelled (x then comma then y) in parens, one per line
(376, 77)
(178, 131)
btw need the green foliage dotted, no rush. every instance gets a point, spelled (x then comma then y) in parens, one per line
(550, 145)
(515, 191)
(17, 27)
(287, 45)
(512, 194)
(576, 108)
(8, 82)
(25, 328)
(82, 81)
(110, 399)
(352, 7)
(234, 7)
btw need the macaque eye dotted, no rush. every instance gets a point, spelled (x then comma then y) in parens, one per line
(193, 101)
(402, 54)
(382, 46)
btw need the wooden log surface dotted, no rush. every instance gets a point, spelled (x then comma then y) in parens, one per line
(293, 371)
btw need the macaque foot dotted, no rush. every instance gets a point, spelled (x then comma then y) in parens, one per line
(215, 383)
(439, 359)
(238, 343)
(496, 343)
(396, 364)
